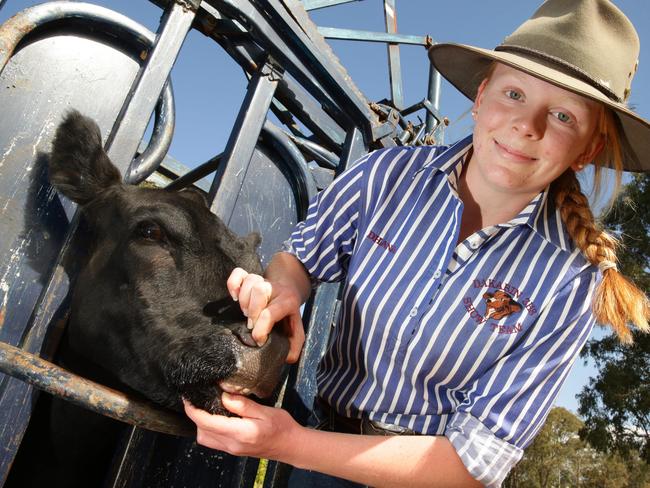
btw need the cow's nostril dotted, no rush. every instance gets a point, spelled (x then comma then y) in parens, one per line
(245, 336)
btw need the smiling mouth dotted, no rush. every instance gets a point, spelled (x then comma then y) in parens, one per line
(512, 153)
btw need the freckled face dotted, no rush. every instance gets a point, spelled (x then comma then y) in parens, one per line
(528, 132)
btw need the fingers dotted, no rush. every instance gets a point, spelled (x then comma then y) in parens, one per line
(250, 434)
(265, 304)
(242, 406)
(281, 307)
(260, 296)
(216, 424)
(249, 287)
(235, 281)
(296, 337)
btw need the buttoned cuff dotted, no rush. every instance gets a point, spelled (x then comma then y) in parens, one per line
(488, 458)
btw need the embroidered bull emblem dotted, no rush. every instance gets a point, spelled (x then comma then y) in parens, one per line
(499, 304)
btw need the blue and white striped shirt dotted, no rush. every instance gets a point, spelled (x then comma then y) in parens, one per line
(471, 341)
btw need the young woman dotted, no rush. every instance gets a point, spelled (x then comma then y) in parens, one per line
(473, 273)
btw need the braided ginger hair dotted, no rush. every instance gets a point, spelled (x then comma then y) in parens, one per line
(617, 300)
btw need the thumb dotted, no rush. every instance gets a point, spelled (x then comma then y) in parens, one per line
(240, 405)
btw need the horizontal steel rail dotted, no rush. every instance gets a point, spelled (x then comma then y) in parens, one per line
(88, 394)
(370, 36)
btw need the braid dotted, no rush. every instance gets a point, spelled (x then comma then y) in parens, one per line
(617, 301)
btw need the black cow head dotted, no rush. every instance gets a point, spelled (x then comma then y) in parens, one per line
(150, 305)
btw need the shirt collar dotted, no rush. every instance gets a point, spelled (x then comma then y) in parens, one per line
(450, 160)
(540, 214)
(547, 222)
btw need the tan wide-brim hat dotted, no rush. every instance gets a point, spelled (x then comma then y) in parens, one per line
(588, 47)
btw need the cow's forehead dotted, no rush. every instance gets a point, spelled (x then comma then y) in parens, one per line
(147, 197)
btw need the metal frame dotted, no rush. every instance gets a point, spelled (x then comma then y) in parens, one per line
(293, 73)
(50, 303)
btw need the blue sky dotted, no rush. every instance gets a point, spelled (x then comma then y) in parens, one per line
(209, 86)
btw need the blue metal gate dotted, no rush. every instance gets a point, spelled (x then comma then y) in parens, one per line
(66, 54)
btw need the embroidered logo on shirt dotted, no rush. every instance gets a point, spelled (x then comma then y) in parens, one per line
(381, 242)
(499, 304)
(503, 302)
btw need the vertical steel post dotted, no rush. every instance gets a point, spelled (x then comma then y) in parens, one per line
(353, 149)
(133, 119)
(229, 177)
(394, 65)
(433, 96)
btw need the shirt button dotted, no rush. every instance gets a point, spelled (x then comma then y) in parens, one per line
(437, 274)
(474, 243)
(414, 312)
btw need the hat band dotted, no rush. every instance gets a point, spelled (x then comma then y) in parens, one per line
(573, 70)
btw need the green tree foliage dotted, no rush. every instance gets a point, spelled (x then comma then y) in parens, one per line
(616, 404)
(630, 220)
(545, 460)
(559, 458)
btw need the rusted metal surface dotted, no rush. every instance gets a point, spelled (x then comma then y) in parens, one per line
(88, 394)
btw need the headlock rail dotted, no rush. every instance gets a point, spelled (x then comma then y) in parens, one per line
(63, 54)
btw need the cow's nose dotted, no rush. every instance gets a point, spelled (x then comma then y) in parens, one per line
(244, 335)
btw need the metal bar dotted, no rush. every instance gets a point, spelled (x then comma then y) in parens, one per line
(353, 149)
(292, 39)
(132, 122)
(196, 174)
(289, 92)
(304, 187)
(161, 138)
(21, 24)
(423, 104)
(123, 28)
(316, 4)
(321, 155)
(433, 96)
(394, 64)
(88, 394)
(230, 174)
(370, 36)
(291, 99)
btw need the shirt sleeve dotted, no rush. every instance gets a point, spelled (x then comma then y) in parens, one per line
(324, 241)
(504, 408)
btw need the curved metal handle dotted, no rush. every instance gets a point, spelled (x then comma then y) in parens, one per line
(30, 19)
(161, 138)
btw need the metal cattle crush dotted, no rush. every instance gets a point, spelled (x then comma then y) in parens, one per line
(63, 54)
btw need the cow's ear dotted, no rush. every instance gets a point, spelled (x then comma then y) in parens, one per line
(194, 194)
(79, 167)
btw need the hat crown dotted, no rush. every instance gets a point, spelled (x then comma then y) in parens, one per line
(590, 39)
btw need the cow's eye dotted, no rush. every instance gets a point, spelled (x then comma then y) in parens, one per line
(150, 230)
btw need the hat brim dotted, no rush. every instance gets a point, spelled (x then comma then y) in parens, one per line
(465, 67)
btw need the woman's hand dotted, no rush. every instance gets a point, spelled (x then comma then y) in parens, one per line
(263, 432)
(266, 303)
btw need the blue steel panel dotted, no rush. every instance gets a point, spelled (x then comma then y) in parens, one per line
(230, 174)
